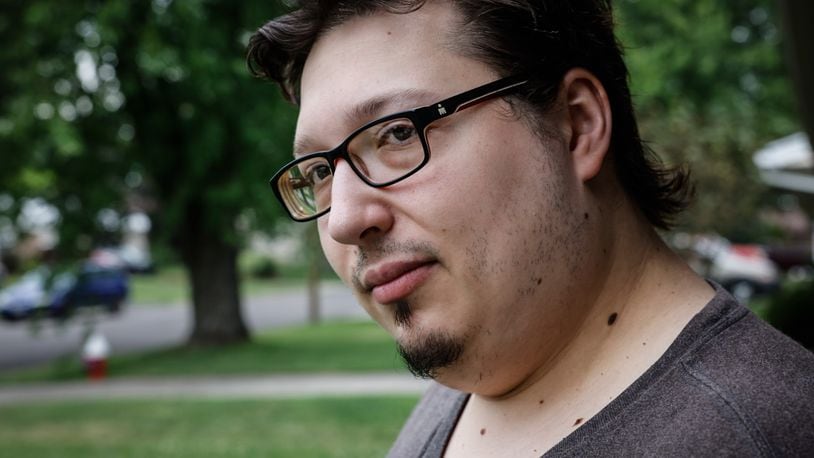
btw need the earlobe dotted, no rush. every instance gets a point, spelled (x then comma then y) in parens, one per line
(589, 119)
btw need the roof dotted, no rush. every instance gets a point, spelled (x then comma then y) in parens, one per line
(787, 163)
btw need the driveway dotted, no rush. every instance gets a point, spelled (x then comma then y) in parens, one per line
(143, 326)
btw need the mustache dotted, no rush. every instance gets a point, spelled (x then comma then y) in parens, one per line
(370, 255)
(402, 314)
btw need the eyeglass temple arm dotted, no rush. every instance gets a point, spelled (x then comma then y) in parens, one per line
(466, 99)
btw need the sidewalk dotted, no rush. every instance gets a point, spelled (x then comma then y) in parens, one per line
(218, 387)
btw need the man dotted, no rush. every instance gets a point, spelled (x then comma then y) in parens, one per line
(477, 178)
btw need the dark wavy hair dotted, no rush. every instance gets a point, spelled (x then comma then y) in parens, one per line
(538, 39)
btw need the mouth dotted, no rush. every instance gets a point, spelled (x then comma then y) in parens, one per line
(393, 281)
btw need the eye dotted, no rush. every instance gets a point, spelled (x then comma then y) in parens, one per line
(317, 173)
(397, 133)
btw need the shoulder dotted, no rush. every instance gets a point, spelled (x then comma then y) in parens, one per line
(730, 385)
(430, 422)
(758, 378)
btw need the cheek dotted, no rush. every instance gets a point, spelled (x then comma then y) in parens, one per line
(513, 220)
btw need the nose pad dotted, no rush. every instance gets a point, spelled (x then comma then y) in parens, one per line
(358, 211)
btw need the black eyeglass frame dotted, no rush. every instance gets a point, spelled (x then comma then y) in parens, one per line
(421, 118)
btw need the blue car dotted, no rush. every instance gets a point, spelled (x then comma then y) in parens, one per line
(41, 293)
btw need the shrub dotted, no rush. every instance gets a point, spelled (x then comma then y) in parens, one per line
(264, 268)
(792, 312)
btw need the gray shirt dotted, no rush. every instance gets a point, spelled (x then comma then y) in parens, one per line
(729, 385)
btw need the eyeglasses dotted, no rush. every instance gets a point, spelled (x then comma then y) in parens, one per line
(381, 153)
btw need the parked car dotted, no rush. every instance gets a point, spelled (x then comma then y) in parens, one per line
(92, 286)
(745, 270)
(58, 296)
(24, 297)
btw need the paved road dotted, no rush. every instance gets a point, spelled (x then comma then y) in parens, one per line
(145, 327)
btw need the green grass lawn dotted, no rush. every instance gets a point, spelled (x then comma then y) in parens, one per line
(324, 427)
(170, 286)
(328, 347)
(167, 286)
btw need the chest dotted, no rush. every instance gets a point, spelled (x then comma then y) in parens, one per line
(525, 433)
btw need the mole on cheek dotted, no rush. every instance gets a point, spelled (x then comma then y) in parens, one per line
(612, 318)
(482, 431)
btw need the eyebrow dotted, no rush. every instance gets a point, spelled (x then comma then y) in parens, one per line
(301, 147)
(370, 110)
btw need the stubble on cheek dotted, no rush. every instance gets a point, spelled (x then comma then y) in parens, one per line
(526, 260)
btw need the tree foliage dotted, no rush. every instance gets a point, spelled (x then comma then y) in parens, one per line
(110, 102)
(711, 88)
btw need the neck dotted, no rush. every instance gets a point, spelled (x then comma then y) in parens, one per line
(645, 295)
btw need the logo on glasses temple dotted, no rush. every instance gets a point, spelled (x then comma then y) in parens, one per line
(441, 110)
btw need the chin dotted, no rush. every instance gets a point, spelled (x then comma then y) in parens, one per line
(428, 353)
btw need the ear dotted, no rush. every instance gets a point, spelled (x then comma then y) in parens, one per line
(589, 121)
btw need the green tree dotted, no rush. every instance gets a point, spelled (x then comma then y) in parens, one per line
(205, 132)
(53, 141)
(711, 88)
(115, 100)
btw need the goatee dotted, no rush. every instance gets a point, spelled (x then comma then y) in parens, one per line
(434, 352)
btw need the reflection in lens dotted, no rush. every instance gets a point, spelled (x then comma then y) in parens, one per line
(306, 187)
(297, 193)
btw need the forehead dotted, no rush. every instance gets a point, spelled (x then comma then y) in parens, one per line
(374, 65)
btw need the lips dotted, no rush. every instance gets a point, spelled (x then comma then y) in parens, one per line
(392, 281)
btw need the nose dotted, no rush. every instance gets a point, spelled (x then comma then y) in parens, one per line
(358, 213)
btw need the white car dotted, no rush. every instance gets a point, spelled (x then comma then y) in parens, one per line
(745, 270)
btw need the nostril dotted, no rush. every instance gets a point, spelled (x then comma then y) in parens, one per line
(369, 232)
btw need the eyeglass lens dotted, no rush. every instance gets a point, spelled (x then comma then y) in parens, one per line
(381, 153)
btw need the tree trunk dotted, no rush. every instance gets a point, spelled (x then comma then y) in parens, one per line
(797, 18)
(212, 268)
(314, 261)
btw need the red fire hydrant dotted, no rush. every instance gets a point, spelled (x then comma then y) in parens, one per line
(95, 354)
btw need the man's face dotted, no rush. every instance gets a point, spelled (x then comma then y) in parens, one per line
(472, 264)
